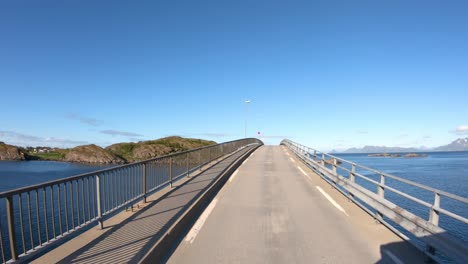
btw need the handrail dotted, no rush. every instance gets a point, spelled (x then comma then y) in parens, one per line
(53, 182)
(427, 231)
(428, 188)
(38, 215)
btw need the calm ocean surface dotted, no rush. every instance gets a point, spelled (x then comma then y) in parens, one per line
(16, 174)
(447, 171)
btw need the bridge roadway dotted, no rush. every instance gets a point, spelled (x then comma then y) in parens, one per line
(271, 210)
(275, 210)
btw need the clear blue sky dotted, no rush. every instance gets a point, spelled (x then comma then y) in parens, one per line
(329, 74)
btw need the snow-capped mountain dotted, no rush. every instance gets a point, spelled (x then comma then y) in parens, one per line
(460, 144)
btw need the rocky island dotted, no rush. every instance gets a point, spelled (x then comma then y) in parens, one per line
(415, 155)
(397, 155)
(386, 155)
(331, 161)
(115, 154)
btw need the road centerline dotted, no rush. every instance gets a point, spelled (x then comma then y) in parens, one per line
(302, 171)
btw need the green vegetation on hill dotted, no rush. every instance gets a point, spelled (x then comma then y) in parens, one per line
(154, 148)
(123, 150)
(53, 155)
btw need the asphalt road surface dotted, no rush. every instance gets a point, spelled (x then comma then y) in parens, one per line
(273, 209)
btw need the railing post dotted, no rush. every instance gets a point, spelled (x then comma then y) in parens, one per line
(188, 166)
(334, 171)
(323, 159)
(334, 166)
(98, 201)
(199, 159)
(381, 188)
(381, 194)
(434, 213)
(352, 178)
(144, 183)
(11, 227)
(434, 218)
(170, 170)
(315, 154)
(209, 158)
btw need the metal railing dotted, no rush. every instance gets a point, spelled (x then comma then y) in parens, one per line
(427, 230)
(34, 217)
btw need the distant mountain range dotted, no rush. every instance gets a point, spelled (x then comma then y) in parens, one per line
(460, 144)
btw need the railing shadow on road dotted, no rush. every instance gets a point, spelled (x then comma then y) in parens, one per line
(91, 251)
(108, 249)
(416, 252)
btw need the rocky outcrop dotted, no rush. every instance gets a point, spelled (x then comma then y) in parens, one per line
(153, 148)
(331, 161)
(92, 154)
(147, 151)
(9, 152)
(396, 155)
(415, 155)
(385, 155)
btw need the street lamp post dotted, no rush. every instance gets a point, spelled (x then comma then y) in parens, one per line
(247, 102)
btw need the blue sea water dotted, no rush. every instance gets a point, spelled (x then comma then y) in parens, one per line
(17, 174)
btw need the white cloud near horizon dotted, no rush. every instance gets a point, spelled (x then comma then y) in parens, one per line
(120, 133)
(16, 138)
(280, 137)
(213, 134)
(85, 120)
(362, 132)
(461, 130)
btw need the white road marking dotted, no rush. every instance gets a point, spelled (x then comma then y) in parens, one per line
(292, 159)
(393, 257)
(245, 161)
(199, 224)
(331, 200)
(287, 153)
(303, 172)
(233, 175)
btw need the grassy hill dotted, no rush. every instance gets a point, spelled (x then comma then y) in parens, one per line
(154, 148)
